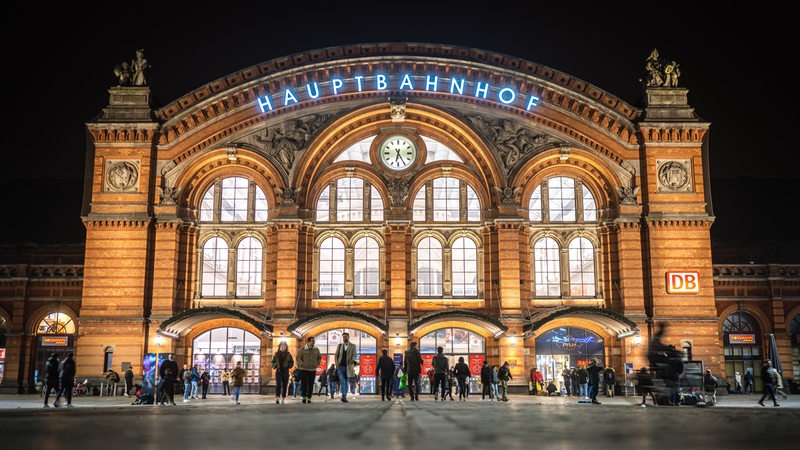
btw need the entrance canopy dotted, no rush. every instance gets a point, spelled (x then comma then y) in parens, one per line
(612, 321)
(182, 323)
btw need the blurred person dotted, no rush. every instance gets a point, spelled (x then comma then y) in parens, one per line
(385, 373)
(609, 381)
(308, 359)
(51, 378)
(779, 384)
(194, 381)
(567, 381)
(737, 382)
(187, 383)
(504, 375)
(205, 380)
(646, 387)
(594, 370)
(66, 380)
(296, 384)
(412, 367)
(128, 381)
(462, 373)
(749, 382)
(282, 361)
(168, 372)
(710, 384)
(441, 366)
(333, 380)
(225, 376)
(768, 376)
(487, 381)
(345, 358)
(237, 380)
(583, 381)
(496, 382)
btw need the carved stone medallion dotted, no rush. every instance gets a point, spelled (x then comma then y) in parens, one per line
(674, 176)
(122, 176)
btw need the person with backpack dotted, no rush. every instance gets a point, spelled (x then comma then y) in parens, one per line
(51, 377)
(187, 383)
(112, 378)
(194, 381)
(66, 380)
(504, 375)
(710, 384)
(462, 373)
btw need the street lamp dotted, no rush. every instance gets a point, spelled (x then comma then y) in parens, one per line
(155, 371)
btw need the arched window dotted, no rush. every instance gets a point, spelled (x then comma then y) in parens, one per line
(229, 200)
(429, 268)
(547, 267)
(581, 268)
(562, 199)
(248, 268)
(331, 268)
(742, 346)
(56, 323)
(351, 202)
(366, 267)
(215, 268)
(465, 267)
(447, 204)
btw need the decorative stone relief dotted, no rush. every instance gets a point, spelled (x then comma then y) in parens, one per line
(288, 195)
(674, 175)
(169, 195)
(283, 141)
(508, 194)
(628, 194)
(509, 138)
(121, 176)
(398, 191)
(397, 108)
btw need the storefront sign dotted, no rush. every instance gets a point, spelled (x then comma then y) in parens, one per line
(476, 364)
(333, 87)
(683, 282)
(367, 364)
(742, 338)
(54, 341)
(323, 365)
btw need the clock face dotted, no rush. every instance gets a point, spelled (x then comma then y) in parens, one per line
(398, 152)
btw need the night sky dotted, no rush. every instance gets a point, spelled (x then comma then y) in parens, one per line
(59, 63)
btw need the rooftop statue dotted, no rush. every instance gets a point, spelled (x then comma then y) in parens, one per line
(133, 73)
(661, 73)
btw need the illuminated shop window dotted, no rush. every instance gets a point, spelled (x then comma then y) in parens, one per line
(221, 348)
(351, 202)
(456, 343)
(366, 354)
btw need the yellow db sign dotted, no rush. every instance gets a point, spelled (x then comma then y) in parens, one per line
(683, 282)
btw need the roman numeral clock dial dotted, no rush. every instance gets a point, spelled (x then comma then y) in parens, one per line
(398, 152)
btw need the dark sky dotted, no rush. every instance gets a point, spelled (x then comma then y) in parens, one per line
(59, 60)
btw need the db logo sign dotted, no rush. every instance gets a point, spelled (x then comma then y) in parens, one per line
(683, 283)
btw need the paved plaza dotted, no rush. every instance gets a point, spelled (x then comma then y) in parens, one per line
(366, 422)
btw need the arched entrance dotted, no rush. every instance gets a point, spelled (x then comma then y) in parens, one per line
(565, 348)
(456, 342)
(220, 348)
(366, 355)
(742, 346)
(55, 333)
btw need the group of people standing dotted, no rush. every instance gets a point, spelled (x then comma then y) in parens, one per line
(59, 375)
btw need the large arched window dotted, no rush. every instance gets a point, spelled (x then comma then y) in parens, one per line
(562, 199)
(215, 268)
(230, 200)
(465, 267)
(429, 268)
(331, 268)
(547, 268)
(354, 198)
(248, 268)
(581, 268)
(446, 204)
(366, 262)
(56, 323)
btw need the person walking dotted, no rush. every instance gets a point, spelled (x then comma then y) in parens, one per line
(462, 373)
(296, 384)
(128, 381)
(504, 375)
(323, 383)
(770, 380)
(610, 381)
(710, 384)
(487, 381)
(237, 380)
(779, 384)
(282, 361)
(51, 378)
(194, 381)
(737, 382)
(333, 380)
(749, 385)
(440, 368)
(205, 380)
(594, 370)
(583, 381)
(646, 387)
(226, 381)
(167, 372)
(567, 381)
(308, 359)
(345, 359)
(385, 373)
(66, 380)
(412, 367)
(496, 383)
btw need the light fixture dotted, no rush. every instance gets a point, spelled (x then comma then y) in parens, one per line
(513, 341)
(637, 340)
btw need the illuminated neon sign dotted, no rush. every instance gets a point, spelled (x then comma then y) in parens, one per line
(742, 338)
(402, 82)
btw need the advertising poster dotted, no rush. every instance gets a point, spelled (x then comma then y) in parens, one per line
(368, 363)
(476, 364)
(323, 365)
(427, 364)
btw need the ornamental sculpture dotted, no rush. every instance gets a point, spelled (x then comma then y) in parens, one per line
(661, 72)
(133, 73)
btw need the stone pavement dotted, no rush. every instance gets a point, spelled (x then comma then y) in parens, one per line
(528, 422)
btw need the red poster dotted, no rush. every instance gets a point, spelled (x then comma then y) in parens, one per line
(323, 365)
(427, 364)
(476, 364)
(367, 364)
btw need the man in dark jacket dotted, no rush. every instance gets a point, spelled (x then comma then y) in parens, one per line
(66, 380)
(51, 377)
(486, 380)
(412, 367)
(504, 374)
(385, 371)
(462, 375)
(167, 373)
(128, 381)
(441, 366)
(594, 369)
